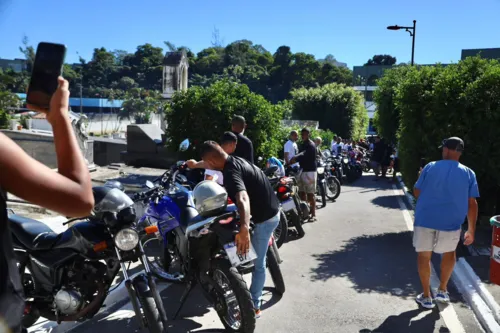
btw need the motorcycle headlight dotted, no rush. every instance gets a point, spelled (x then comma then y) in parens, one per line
(346, 160)
(126, 239)
(321, 170)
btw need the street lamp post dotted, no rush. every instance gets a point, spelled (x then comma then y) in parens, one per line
(412, 31)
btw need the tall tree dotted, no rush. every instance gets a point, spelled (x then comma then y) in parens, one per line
(381, 59)
(29, 53)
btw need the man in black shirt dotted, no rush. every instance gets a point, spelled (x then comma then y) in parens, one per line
(244, 147)
(379, 157)
(308, 176)
(250, 189)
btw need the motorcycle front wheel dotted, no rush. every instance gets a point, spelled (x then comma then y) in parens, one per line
(322, 193)
(149, 308)
(235, 306)
(297, 223)
(333, 188)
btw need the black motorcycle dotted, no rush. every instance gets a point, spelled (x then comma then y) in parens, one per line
(321, 182)
(203, 246)
(333, 186)
(66, 277)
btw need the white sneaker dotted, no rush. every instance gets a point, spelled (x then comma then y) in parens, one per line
(426, 302)
(442, 296)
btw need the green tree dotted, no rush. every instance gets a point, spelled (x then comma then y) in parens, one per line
(141, 104)
(205, 113)
(386, 119)
(457, 100)
(337, 107)
(29, 53)
(381, 59)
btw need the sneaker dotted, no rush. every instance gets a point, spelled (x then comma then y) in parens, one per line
(426, 302)
(258, 313)
(442, 296)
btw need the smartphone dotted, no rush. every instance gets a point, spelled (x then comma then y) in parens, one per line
(48, 66)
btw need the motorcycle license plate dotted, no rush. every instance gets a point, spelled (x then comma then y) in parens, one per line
(239, 259)
(288, 205)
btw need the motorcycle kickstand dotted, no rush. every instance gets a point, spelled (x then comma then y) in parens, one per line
(190, 286)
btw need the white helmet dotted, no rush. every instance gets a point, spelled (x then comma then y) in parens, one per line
(209, 198)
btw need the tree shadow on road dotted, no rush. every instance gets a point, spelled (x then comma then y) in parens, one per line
(388, 201)
(376, 263)
(414, 321)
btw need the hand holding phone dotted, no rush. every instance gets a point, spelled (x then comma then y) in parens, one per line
(59, 102)
(47, 69)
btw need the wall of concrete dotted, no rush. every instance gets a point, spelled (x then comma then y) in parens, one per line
(38, 145)
(107, 151)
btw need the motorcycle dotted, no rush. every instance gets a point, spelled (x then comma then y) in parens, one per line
(321, 182)
(67, 276)
(203, 245)
(333, 186)
(287, 192)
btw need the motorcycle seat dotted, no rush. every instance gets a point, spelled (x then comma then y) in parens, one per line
(189, 216)
(33, 234)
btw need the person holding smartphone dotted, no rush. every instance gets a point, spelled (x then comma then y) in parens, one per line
(67, 191)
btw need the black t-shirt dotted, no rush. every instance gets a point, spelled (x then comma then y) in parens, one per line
(244, 148)
(307, 156)
(11, 299)
(379, 151)
(239, 175)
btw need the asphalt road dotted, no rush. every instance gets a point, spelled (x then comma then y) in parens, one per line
(354, 271)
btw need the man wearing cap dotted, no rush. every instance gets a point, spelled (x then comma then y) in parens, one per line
(446, 192)
(307, 177)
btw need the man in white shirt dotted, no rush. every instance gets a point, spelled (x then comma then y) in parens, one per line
(291, 148)
(336, 145)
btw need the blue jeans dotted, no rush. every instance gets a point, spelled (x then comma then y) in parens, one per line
(260, 241)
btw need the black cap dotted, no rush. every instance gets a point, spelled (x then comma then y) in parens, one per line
(453, 143)
(305, 130)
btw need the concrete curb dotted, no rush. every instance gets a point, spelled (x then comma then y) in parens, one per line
(468, 283)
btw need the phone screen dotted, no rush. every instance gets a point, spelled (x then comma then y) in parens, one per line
(47, 68)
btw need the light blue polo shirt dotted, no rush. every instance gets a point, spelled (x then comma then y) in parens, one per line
(445, 188)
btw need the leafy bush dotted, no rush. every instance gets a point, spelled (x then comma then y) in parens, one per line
(202, 114)
(457, 100)
(7, 100)
(337, 107)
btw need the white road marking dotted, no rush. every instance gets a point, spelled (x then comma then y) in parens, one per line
(447, 311)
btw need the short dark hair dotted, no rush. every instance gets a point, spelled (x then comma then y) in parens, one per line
(209, 147)
(239, 120)
(294, 132)
(305, 130)
(228, 137)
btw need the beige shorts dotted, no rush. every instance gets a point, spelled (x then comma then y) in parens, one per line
(307, 182)
(428, 240)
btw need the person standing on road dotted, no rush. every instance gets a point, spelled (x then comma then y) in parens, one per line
(379, 157)
(244, 147)
(250, 189)
(446, 191)
(318, 141)
(67, 191)
(308, 176)
(291, 148)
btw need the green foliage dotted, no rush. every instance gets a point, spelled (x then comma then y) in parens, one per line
(23, 121)
(381, 59)
(457, 100)
(267, 74)
(337, 107)
(386, 119)
(205, 113)
(141, 104)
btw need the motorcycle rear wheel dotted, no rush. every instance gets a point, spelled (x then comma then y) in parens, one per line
(230, 280)
(275, 270)
(281, 231)
(297, 223)
(322, 193)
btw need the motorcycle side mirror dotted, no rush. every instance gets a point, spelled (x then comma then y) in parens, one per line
(184, 145)
(149, 184)
(259, 159)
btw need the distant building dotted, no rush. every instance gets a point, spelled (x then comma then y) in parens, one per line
(493, 53)
(18, 65)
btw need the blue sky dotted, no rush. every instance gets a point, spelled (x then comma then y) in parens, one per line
(352, 31)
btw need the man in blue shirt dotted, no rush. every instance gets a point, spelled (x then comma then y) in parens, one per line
(446, 192)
